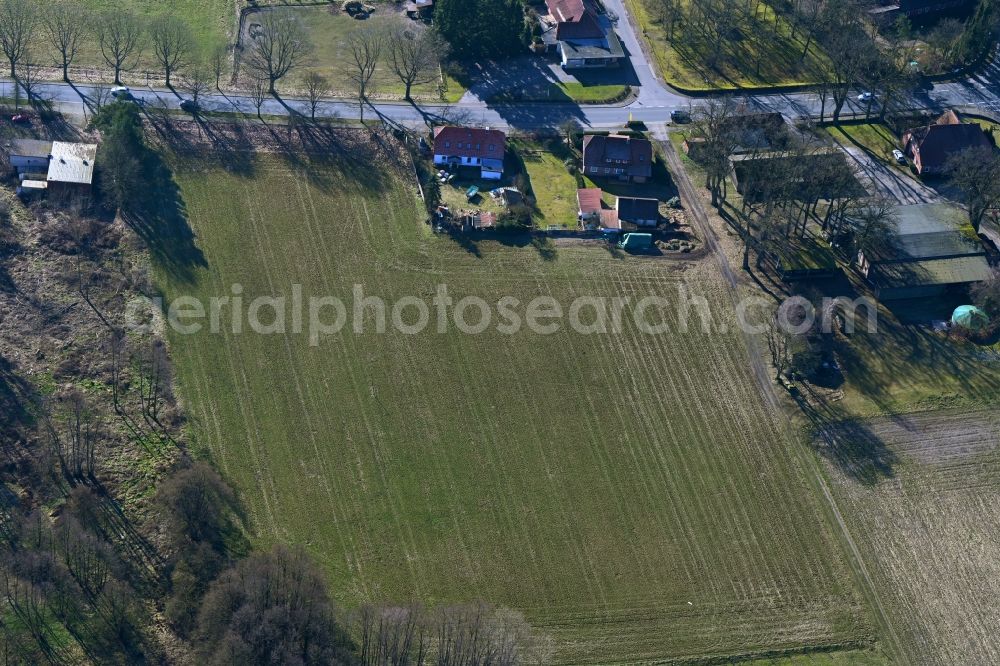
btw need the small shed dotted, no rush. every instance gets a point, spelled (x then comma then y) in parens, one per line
(71, 169)
(636, 242)
(31, 188)
(29, 155)
(638, 211)
(588, 201)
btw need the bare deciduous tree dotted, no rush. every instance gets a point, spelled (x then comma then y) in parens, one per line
(28, 79)
(277, 47)
(365, 46)
(219, 60)
(317, 87)
(197, 80)
(258, 93)
(17, 29)
(65, 26)
(171, 43)
(120, 35)
(415, 55)
(976, 174)
(875, 224)
(778, 343)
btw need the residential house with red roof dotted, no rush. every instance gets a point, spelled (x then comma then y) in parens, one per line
(471, 147)
(583, 36)
(626, 158)
(931, 146)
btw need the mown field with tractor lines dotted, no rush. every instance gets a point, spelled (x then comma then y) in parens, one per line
(631, 494)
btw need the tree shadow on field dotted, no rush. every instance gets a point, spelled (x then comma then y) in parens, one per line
(344, 158)
(159, 217)
(17, 397)
(850, 444)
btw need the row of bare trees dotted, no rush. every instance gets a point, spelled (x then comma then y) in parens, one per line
(412, 53)
(121, 36)
(800, 184)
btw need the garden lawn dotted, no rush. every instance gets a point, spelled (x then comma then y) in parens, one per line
(554, 189)
(630, 493)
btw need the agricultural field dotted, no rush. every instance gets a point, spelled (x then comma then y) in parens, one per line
(768, 53)
(930, 530)
(631, 494)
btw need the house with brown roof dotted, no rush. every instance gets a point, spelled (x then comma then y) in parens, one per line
(932, 145)
(626, 158)
(583, 36)
(470, 147)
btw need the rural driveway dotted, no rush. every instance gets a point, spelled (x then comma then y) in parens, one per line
(878, 177)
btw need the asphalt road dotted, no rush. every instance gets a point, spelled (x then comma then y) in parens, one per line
(653, 103)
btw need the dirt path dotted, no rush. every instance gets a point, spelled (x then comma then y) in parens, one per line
(694, 203)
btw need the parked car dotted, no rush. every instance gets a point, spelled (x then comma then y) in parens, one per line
(190, 106)
(898, 155)
(121, 92)
(866, 97)
(22, 118)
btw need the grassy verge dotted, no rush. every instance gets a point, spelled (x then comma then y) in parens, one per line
(568, 92)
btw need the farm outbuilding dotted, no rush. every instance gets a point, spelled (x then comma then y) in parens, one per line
(639, 211)
(29, 155)
(71, 169)
(931, 255)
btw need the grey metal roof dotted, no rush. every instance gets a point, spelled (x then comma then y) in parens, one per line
(72, 162)
(609, 47)
(30, 148)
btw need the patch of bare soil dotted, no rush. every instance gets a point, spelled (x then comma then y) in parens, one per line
(930, 529)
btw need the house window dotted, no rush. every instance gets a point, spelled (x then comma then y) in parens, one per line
(477, 146)
(491, 147)
(447, 144)
(642, 158)
(607, 170)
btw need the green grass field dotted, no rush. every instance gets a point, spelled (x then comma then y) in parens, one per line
(212, 23)
(630, 493)
(775, 60)
(331, 56)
